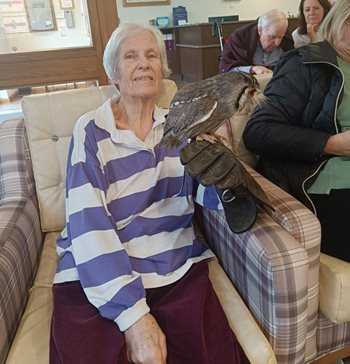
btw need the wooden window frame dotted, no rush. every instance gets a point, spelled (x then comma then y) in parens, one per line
(145, 3)
(64, 65)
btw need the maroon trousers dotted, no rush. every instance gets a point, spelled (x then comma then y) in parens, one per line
(188, 311)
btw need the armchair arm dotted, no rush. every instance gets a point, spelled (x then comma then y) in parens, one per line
(290, 214)
(20, 232)
(274, 266)
(252, 340)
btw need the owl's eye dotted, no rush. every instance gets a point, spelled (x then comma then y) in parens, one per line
(251, 93)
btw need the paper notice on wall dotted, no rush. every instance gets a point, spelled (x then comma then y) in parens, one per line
(62, 27)
(59, 14)
(16, 23)
(10, 6)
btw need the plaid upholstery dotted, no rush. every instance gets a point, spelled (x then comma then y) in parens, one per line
(274, 266)
(20, 232)
(302, 225)
(330, 336)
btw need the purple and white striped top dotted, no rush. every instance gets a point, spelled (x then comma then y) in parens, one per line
(129, 212)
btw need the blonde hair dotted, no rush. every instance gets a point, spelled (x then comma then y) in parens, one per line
(331, 25)
(124, 32)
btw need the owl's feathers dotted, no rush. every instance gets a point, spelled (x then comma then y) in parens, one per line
(202, 107)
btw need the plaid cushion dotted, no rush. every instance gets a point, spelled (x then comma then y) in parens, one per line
(274, 266)
(20, 232)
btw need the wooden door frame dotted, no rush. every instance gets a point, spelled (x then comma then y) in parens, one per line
(64, 65)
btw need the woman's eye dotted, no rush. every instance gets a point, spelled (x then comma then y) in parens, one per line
(129, 56)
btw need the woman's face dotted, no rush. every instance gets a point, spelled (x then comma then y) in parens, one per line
(313, 12)
(139, 67)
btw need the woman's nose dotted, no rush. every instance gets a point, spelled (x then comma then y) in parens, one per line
(143, 61)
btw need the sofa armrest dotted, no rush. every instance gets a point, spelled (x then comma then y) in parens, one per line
(251, 338)
(20, 232)
(289, 213)
(275, 268)
(268, 267)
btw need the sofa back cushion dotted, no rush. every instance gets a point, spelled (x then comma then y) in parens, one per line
(50, 119)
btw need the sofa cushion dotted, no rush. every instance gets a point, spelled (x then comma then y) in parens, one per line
(32, 337)
(50, 119)
(35, 324)
(334, 289)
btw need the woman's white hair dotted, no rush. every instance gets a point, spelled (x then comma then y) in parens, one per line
(122, 33)
(274, 16)
(331, 25)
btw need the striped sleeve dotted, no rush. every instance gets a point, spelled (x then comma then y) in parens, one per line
(103, 265)
(207, 197)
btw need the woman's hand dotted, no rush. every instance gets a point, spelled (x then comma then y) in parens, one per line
(145, 342)
(311, 32)
(338, 144)
(259, 70)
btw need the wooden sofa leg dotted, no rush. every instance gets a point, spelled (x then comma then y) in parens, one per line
(332, 357)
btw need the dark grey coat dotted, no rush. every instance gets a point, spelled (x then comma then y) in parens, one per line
(291, 129)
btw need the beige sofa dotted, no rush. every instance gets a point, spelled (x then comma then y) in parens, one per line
(49, 120)
(273, 303)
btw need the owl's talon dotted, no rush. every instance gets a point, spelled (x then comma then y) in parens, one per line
(214, 138)
(207, 137)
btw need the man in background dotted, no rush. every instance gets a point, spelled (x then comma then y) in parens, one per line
(256, 48)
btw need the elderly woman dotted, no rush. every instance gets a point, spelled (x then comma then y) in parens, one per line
(255, 48)
(311, 14)
(132, 280)
(303, 132)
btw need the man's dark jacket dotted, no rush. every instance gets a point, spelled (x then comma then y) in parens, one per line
(291, 129)
(241, 45)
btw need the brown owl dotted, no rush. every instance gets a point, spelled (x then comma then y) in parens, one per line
(198, 109)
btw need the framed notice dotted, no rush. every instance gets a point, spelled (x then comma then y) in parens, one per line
(16, 23)
(66, 4)
(145, 2)
(11, 6)
(41, 15)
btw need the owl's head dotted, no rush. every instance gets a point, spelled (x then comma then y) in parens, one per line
(251, 95)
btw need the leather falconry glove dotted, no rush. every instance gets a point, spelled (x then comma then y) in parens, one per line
(214, 163)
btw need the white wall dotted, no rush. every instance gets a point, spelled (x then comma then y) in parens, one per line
(198, 11)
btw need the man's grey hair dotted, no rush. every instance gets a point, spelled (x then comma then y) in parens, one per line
(333, 22)
(272, 17)
(124, 32)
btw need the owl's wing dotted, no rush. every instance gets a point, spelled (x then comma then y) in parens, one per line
(184, 114)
